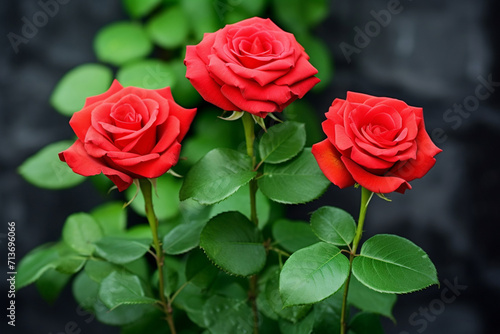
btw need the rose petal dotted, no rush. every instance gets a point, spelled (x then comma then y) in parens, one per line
(115, 87)
(369, 161)
(262, 77)
(81, 163)
(416, 168)
(201, 80)
(375, 183)
(252, 106)
(329, 162)
(157, 167)
(168, 132)
(302, 70)
(302, 87)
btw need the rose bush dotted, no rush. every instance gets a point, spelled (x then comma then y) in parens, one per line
(251, 66)
(127, 133)
(380, 143)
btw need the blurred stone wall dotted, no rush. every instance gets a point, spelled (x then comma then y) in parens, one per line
(433, 54)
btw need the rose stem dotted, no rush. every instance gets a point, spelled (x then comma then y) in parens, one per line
(249, 126)
(366, 196)
(153, 223)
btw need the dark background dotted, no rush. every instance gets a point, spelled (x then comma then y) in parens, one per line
(431, 54)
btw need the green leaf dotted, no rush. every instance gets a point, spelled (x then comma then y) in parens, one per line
(305, 326)
(218, 175)
(171, 270)
(321, 58)
(191, 300)
(97, 270)
(183, 237)
(240, 201)
(69, 261)
(111, 217)
(392, 264)
(83, 81)
(327, 314)
(293, 235)
(313, 274)
(227, 315)
(34, 264)
(121, 42)
(122, 249)
(165, 198)
(120, 288)
(80, 232)
(333, 225)
(206, 18)
(51, 283)
(282, 142)
(140, 8)
(85, 290)
(301, 111)
(122, 315)
(370, 300)
(298, 16)
(199, 270)
(185, 94)
(147, 73)
(234, 244)
(297, 181)
(293, 313)
(45, 170)
(365, 323)
(169, 28)
(150, 323)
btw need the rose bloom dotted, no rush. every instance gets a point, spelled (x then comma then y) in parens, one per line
(251, 66)
(127, 133)
(377, 142)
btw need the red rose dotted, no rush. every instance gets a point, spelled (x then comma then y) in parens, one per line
(251, 66)
(378, 142)
(127, 133)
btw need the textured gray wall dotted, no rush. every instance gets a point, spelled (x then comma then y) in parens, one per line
(429, 53)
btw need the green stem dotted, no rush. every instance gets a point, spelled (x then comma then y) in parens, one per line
(159, 257)
(366, 196)
(249, 127)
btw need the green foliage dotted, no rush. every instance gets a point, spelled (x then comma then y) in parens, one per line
(122, 42)
(313, 274)
(140, 8)
(45, 170)
(34, 264)
(165, 198)
(147, 73)
(227, 315)
(51, 283)
(121, 250)
(293, 235)
(282, 142)
(120, 288)
(298, 16)
(199, 270)
(169, 28)
(296, 181)
(234, 244)
(183, 237)
(80, 232)
(365, 323)
(370, 300)
(333, 225)
(79, 83)
(392, 264)
(216, 176)
(111, 217)
(239, 201)
(320, 58)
